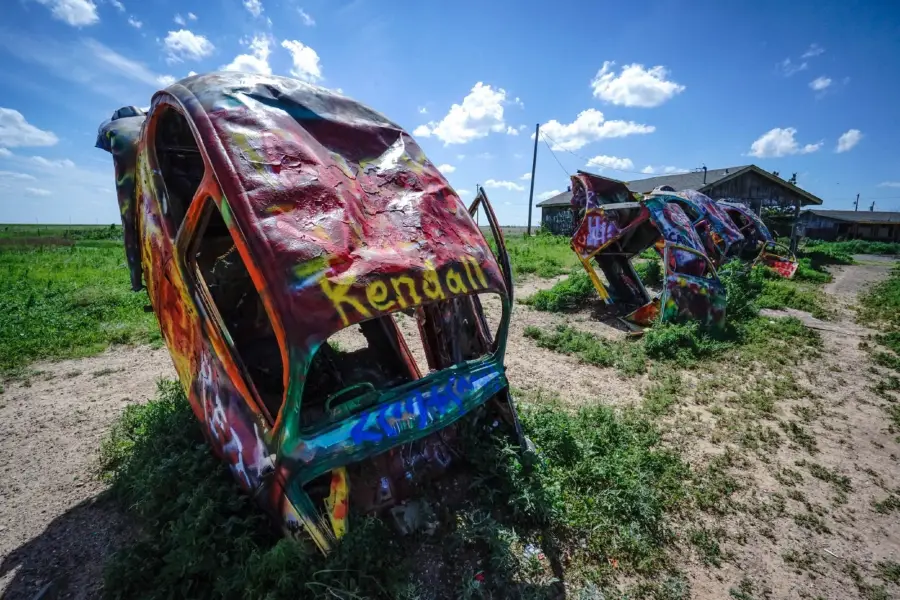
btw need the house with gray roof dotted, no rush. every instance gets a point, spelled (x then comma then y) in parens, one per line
(879, 226)
(747, 184)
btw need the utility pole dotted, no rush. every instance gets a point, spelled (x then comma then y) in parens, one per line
(856, 204)
(537, 131)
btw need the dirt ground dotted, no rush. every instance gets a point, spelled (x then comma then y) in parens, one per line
(56, 529)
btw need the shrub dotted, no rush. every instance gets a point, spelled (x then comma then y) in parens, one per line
(565, 295)
(650, 271)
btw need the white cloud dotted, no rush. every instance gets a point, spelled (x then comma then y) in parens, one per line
(526, 177)
(305, 61)
(668, 170)
(612, 162)
(848, 140)
(56, 164)
(184, 44)
(814, 50)
(509, 185)
(191, 73)
(788, 68)
(423, 110)
(512, 131)
(76, 13)
(635, 85)
(192, 16)
(461, 157)
(820, 83)
(257, 61)
(18, 176)
(4, 153)
(117, 5)
(16, 131)
(134, 22)
(480, 113)
(307, 19)
(548, 195)
(179, 20)
(254, 6)
(37, 191)
(891, 184)
(446, 169)
(589, 126)
(462, 193)
(120, 64)
(166, 80)
(780, 142)
(648, 170)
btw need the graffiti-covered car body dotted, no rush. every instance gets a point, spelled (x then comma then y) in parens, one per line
(616, 226)
(759, 245)
(719, 234)
(271, 219)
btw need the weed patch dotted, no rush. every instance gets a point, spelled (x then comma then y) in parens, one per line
(66, 302)
(567, 294)
(626, 356)
(544, 255)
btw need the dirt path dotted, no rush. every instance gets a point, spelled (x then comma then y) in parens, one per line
(55, 530)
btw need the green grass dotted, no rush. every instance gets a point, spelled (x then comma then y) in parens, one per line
(52, 233)
(544, 255)
(627, 356)
(64, 302)
(854, 247)
(571, 293)
(650, 271)
(602, 489)
(782, 293)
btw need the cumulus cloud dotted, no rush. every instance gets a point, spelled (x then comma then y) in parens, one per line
(446, 169)
(462, 193)
(306, 18)
(634, 85)
(589, 126)
(15, 131)
(255, 7)
(135, 23)
(179, 20)
(63, 163)
(780, 142)
(820, 83)
(548, 195)
(117, 5)
(509, 185)
(848, 140)
(479, 114)
(814, 50)
(423, 110)
(256, 61)
(512, 131)
(166, 80)
(602, 161)
(526, 177)
(76, 13)
(305, 61)
(185, 44)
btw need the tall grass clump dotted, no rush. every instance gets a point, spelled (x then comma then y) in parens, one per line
(568, 294)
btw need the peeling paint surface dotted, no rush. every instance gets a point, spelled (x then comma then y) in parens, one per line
(264, 215)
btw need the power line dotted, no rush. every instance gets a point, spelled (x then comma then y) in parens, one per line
(555, 157)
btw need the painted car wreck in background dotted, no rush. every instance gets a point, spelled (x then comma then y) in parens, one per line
(265, 216)
(759, 246)
(616, 226)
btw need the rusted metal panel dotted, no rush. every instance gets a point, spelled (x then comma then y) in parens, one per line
(268, 215)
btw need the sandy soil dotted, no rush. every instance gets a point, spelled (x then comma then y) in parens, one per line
(56, 529)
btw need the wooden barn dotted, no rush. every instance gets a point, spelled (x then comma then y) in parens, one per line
(850, 225)
(747, 184)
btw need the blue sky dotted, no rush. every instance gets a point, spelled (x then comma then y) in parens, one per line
(805, 87)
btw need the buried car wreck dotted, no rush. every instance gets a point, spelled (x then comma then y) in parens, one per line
(284, 233)
(759, 246)
(617, 226)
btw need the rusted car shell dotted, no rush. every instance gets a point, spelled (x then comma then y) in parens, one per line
(339, 219)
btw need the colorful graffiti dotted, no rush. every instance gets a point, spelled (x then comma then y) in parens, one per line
(618, 225)
(264, 215)
(759, 245)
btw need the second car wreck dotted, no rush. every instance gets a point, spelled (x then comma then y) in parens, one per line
(271, 222)
(616, 226)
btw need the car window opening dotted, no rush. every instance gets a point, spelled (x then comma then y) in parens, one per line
(241, 309)
(180, 163)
